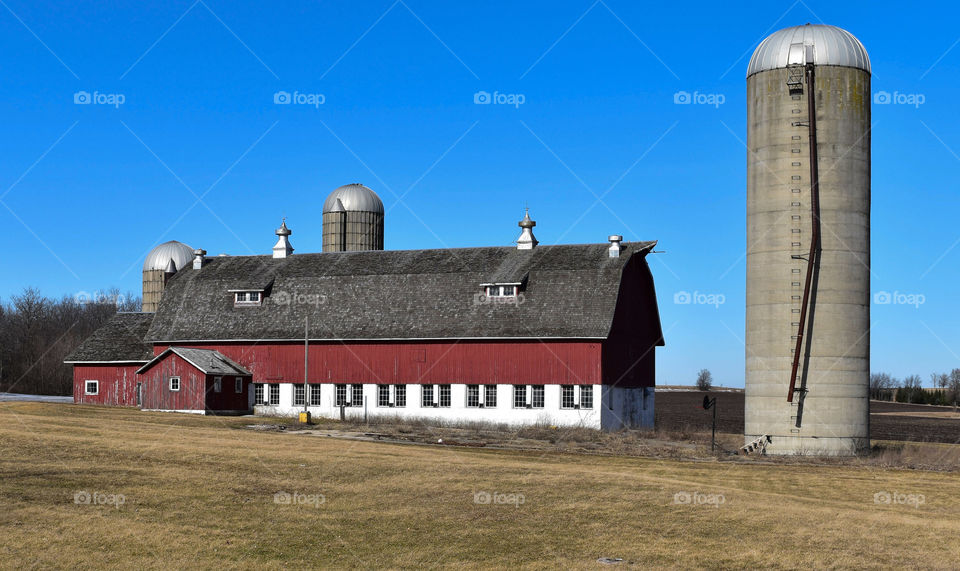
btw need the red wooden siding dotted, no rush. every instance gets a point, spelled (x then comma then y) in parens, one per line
(474, 362)
(228, 399)
(156, 386)
(117, 384)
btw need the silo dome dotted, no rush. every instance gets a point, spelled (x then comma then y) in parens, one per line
(832, 46)
(354, 198)
(159, 257)
(352, 220)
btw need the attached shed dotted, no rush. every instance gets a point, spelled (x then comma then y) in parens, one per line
(105, 364)
(195, 380)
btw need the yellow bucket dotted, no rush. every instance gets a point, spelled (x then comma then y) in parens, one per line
(304, 418)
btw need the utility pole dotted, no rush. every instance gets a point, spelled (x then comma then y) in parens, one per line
(709, 403)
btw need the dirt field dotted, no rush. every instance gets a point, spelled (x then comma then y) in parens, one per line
(888, 420)
(94, 487)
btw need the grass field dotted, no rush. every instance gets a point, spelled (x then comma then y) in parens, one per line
(201, 492)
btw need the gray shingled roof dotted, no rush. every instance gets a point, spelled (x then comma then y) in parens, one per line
(120, 339)
(208, 361)
(570, 292)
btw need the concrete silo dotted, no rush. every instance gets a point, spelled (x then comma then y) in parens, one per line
(160, 264)
(352, 220)
(808, 243)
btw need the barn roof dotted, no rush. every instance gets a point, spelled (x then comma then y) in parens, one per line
(207, 361)
(569, 291)
(119, 339)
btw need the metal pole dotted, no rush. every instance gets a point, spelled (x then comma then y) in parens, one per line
(306, 360)
(713, 435)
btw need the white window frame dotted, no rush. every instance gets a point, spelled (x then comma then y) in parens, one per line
(218, 384)
(274, 392)
(534, 390)
(298, 388)
(171, 384)
(340, 394)
(247, 298)
(586, 403)
(96, 387)
(356, 390)
(444, 396)
(400, 396)
(489, 396)
(259, 393)
(502, 290)
(473, 396)
(568, 397)
(383, 396)
(316, 393)
(519, 390)
(427, 395)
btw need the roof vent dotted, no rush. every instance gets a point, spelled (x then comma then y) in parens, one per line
(282, 248)
(527, 241)
(615, 248)
(198, 258)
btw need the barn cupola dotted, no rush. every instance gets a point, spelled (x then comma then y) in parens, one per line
(199, 257)
(527, 241)
(282, 248)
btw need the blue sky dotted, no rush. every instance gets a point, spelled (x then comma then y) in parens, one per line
(197, 150)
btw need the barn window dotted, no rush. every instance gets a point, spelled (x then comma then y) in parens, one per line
(501, 291)
(536, 398)
(400, 396)
(356, 395)
(314, 395)
(566, 396)
(246, 298)
(217, 384)
(340, 397)
(444, 395)
(473, 395)
(238, 385)
(174, 383)
(299, 395)
(91, 387)
(426, 395)
(519, 396)
(490, 396)
(383, 395)
(258, 394)
(586, 396)
(274, 394)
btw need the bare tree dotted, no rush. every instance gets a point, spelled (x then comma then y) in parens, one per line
(881, 385)
(704, 380)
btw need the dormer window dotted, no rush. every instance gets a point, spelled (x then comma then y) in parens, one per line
(245, 298)
(501, 291)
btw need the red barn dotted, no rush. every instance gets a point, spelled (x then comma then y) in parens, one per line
(194, 380)
(105, 365)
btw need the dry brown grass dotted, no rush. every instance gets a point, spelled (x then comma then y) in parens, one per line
(200, 493)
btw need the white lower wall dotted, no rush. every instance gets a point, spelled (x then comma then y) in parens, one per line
(626, 408)
(458, 411)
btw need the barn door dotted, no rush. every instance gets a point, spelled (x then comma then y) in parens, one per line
(139, 396)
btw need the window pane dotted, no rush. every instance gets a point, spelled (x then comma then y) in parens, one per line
(275, 394)
(426, 395)
(400, 398)
(356, 395)
(519, 396)
(314, 395)
(383, 395)
(444, 395)
(341, 395)
(473, 395)
(536, 399)
(586, 396)
(490, 396)
(509, 290)
(258, 394)
(298, 395)
(566, 396)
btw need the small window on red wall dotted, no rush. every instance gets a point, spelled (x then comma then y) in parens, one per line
(174, 383)
(91, 387)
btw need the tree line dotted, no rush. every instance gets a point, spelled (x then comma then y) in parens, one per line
(37, 333)
(886, 387)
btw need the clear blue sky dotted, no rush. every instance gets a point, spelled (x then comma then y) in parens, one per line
(597, 146)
